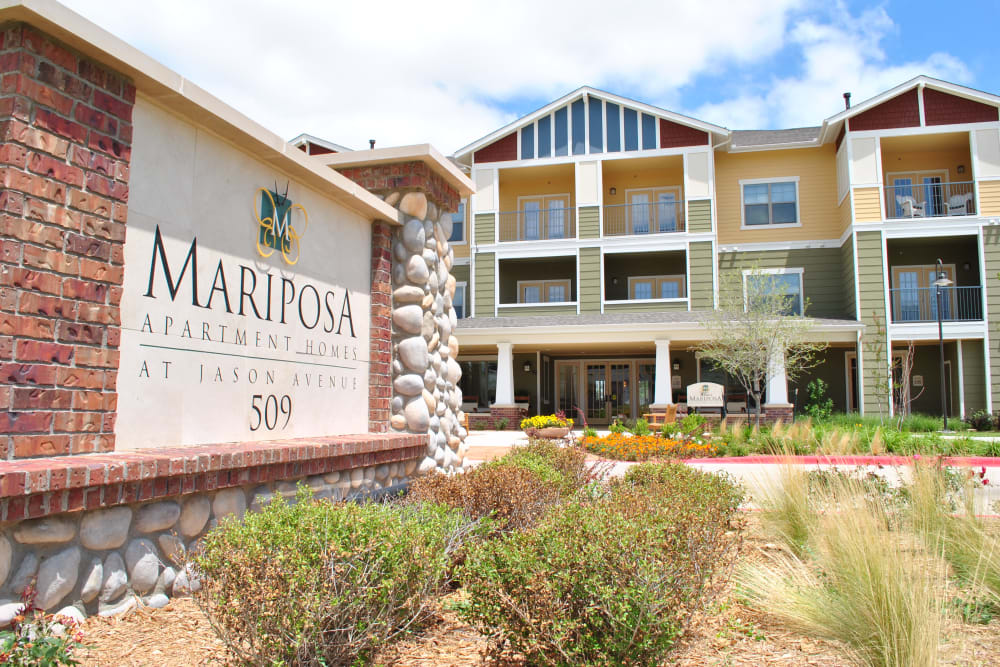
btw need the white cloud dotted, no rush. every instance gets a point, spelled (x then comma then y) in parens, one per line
(842, 55)
(445, 72)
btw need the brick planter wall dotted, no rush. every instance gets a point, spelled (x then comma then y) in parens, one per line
(65, 135)
(380, 348)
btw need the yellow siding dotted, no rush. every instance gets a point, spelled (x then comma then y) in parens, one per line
(462, 249)
(989, 197)
(624, 175)
(844, 211)
(816, 169)
(866, 205)
(536, 181)
(934, 152)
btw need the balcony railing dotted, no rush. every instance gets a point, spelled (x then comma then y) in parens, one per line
(930, 198)
(919, 304)
(537, 225)
(634, 219)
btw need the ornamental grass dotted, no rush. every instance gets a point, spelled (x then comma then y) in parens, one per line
(625, 447)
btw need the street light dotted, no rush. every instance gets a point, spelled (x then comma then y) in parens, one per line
(942, 281)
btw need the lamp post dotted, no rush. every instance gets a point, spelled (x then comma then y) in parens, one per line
(942, 281)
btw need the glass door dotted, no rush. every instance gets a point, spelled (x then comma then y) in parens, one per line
(609, 390)
(645, 376)
(567, 379)
(620, 376)
(597, 393)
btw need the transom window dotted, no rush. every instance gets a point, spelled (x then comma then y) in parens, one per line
(656, 287)
(770, 203)
(787, 282)
(458, 224)
(543, 291)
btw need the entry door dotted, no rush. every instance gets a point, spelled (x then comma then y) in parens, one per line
(609, 390)
(567, 383)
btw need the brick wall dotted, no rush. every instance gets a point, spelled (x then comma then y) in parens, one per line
(674, 135)
(405, 176)
(65, 137)
(944, 109)
(380, 348)
(900, 111)
(500, 150)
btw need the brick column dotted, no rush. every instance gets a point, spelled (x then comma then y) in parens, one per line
(380, 348)
(65, 138)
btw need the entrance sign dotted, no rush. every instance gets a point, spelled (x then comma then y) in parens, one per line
(705, 395)
(232, 329)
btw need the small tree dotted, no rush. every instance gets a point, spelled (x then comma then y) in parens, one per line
(752, 325)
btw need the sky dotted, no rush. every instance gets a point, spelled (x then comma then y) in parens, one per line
(448, 72)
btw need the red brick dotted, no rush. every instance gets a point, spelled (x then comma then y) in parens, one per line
(64, 82)
(110, 145)
(97, 357)
(30, 280)
(40, 140)
(26, 446)
(79, 377)
(27, 327)
(53, 213)
(105, 229)
(98, 313)
(94, 400)
(102, 271)
(10, 251)
(12, 202)
(25, 422)
(32, 303)
(31, 232)
(27, 374)
(95, 119)
(33, 350)
(6, 354)
(78, 332)
(57, 169)
(113, 106)
(76, 422)
(43, 46)
(90, 203)
(51, 260)
(117, 254)
(74, 288)
(15, 106)
(87, 246)
(61, 126)
(44, 95)
(34, 398)
(32, 184)
(14, 155)
(93, 73)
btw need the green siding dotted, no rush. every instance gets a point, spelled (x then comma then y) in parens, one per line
(991, 252)
(821, 277)
(590, 280)
(613, 307)
(485, 284)
(871, 289)
(461, 273)
(485, 233)
(700, 288)
(973, 376)
(847, 278)
(544, 309)
(700, 215)
(590, 222)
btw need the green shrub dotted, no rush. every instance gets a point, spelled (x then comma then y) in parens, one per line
(617, 427)
(589, 432)
(918, 423)
(640, 427)
(565, 466)
(513, 495)
(321, 583)
(501, 424)
(611, 580)
(820, 406)
(37, 638)
(981, 420)
(693, 423)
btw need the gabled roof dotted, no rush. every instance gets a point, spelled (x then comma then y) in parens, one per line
(304, 139)
(716, 130)
(832, 124)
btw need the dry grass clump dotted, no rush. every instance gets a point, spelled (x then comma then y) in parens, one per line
(786, 507)
(862, 584)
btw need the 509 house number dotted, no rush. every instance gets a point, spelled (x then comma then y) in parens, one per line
(267, 411)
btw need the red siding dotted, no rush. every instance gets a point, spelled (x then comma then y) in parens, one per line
(944, 109)
(500, 150)
(674, 135)
(319, 150)
(901, 111)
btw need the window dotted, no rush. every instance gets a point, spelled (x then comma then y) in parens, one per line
(545, 136)
(614, 127)
(459, 301)
(787, 282)
(770, 203)
(579, 127)
(654, 210)
(648, 132)
(458, 224)
(528, 142)
(562, 132)
(595, 111)
(544, 217)
(543, 291)
(656, 287)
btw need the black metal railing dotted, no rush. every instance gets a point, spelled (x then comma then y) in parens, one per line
(653, 218)
(920, 304)
(537, 225)
(929, 198)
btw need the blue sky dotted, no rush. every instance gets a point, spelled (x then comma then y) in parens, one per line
(451, 71)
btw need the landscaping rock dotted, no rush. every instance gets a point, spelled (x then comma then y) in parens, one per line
(407, 294)
(105, 529)
(157, 601)
(127, 603)
(171, 547)
(143, 564)
(57, 576)
(408, 318)
(72, 613)
(408, 385)
(50, 530)
(413, 236)
(194, 514)
(8, 611)
(92, 579)
(413, 353)
(24, 573)
(229, 502)
(157, 516)
(416, 270)
(417, 416)
(6, 556)
(415, 204)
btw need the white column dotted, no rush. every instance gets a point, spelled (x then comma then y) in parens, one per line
(662, 388)
(777, 383)
(505, 374)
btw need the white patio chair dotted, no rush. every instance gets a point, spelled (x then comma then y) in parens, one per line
(959, 204)
(911, 209)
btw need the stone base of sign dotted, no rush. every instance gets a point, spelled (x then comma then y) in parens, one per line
(105, 533)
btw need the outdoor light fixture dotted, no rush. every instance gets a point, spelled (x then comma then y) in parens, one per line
(961, 169)
(527, 367)
(614, 191)
(677, 364)
(942, 281)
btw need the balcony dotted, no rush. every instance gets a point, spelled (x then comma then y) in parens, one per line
(663, 217)
(919, 304)
(931, 198)
(537, 224)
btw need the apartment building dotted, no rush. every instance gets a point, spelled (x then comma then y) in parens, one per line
(602, 229)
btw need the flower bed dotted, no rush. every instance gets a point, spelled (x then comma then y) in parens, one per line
(626, 447)
(546, 421)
